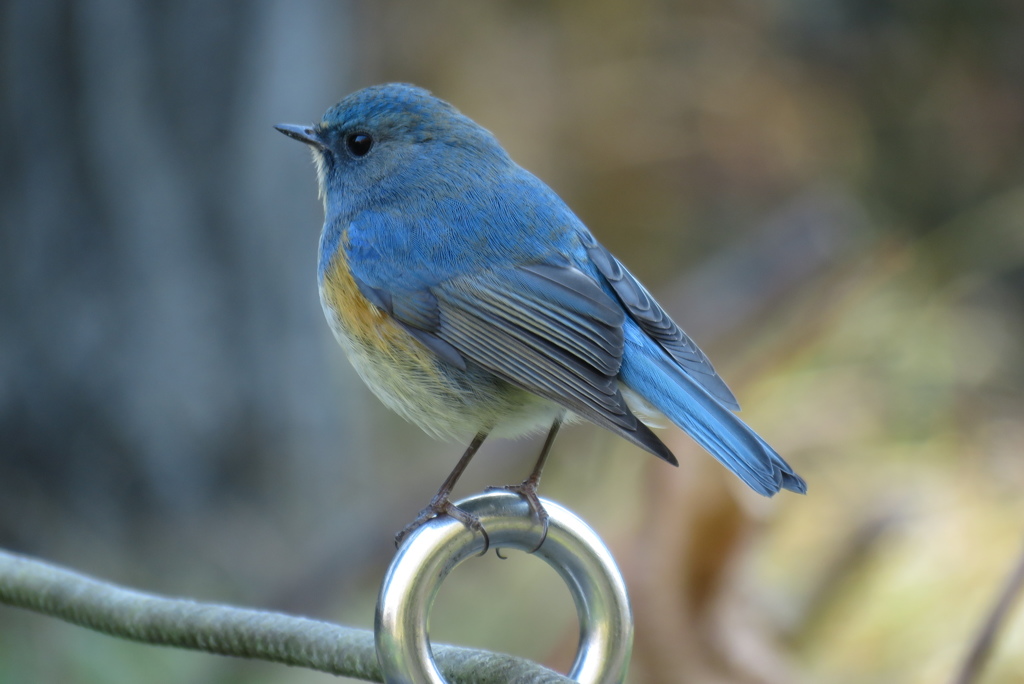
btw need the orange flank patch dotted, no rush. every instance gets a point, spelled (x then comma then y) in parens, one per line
(367, 326)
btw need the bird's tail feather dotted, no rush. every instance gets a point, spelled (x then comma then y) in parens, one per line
(654, 376)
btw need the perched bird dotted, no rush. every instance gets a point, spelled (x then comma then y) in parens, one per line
(472, 300)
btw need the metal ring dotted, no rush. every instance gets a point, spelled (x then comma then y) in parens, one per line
(571, 548)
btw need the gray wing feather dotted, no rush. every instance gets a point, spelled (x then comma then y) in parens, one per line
(541, 334)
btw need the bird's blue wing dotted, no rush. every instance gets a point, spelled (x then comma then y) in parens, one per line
(547, 328)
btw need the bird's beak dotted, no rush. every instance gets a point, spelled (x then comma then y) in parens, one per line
(306, 134)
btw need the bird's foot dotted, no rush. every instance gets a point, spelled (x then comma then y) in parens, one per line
(442, 506)
(527, 489)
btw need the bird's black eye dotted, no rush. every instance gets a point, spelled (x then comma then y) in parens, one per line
(358, 143)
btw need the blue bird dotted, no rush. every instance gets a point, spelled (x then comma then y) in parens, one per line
(472, 301)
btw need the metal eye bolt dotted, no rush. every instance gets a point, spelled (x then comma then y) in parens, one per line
(571, 548)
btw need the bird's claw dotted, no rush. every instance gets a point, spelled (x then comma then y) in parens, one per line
(437, 508)
(527, 490)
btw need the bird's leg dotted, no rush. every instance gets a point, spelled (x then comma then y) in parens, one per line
(528, 487)
(440, 505)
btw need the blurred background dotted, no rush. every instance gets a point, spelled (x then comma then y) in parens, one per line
(828, 196)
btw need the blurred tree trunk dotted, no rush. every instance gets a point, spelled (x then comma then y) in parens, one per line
(161, 344)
